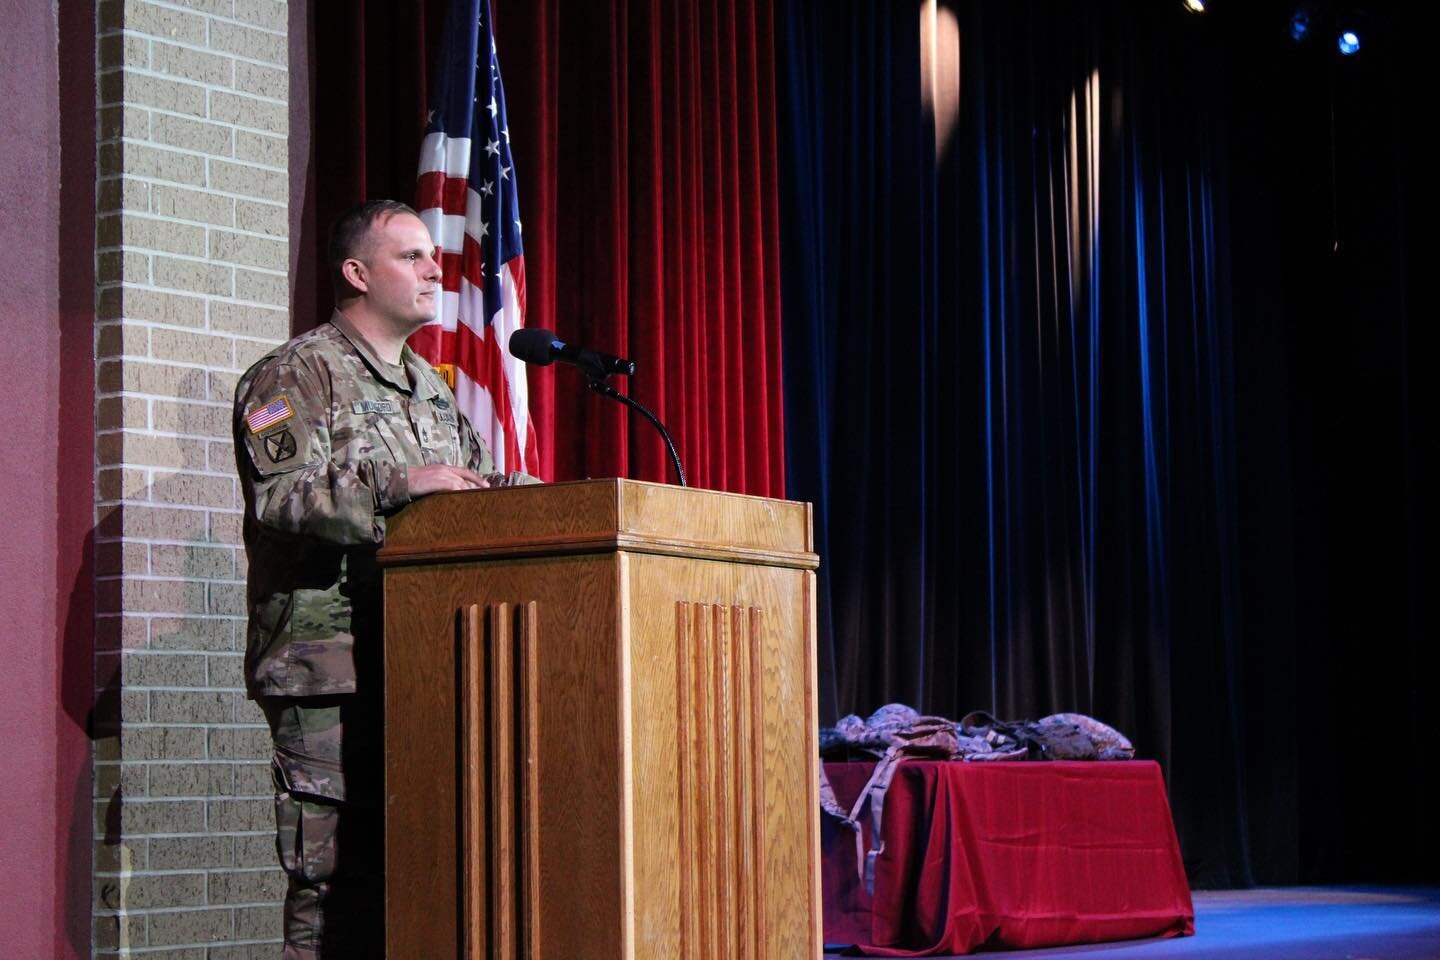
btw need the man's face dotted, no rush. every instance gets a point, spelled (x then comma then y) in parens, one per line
(401, 280)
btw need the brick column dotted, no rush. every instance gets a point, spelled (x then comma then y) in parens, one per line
(192, 238)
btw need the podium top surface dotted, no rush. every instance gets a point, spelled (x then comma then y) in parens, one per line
(594, 516)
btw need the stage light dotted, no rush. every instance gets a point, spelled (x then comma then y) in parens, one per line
(1194, 6)
(1349, 43)
(1299, 25)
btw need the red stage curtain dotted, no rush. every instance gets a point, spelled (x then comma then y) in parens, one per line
(644, 140)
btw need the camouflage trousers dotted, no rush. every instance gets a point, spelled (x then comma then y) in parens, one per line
(329, 824)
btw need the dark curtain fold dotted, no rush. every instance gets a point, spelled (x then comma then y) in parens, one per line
(644, 141)
(1039, 395)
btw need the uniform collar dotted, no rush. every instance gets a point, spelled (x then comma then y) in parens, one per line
(421, 385)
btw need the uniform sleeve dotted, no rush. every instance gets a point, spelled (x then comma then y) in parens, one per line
(293, 482)
(479, 459)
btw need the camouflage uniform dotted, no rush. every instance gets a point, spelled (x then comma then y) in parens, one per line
(325, 432)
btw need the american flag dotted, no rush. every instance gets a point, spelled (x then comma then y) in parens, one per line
(466, 196)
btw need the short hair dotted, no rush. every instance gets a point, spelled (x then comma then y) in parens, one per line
(348, 233)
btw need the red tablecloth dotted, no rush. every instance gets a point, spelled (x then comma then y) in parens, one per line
(1014, 854)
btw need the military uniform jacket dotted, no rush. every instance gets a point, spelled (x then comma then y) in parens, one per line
(325, 432)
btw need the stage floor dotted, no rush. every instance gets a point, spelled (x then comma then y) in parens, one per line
(1286, 923)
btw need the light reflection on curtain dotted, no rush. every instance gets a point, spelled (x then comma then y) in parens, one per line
(1019, 431)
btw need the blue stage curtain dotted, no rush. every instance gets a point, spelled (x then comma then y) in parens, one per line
(1008, 369)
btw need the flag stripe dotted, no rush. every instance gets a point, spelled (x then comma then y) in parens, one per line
(465, 192)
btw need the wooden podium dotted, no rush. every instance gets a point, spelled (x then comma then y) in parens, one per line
(601, 726)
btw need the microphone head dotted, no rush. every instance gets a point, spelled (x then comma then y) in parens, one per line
(533, 345)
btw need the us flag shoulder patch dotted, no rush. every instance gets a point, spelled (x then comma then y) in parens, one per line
(276, 411)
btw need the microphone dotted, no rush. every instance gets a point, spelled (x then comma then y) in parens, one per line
(540, 347)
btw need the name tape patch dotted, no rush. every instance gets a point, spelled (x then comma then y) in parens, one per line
(276, 411)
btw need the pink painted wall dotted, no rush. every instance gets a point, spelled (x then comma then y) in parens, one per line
(47, 183)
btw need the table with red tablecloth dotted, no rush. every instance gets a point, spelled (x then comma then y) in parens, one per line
(1006, 854)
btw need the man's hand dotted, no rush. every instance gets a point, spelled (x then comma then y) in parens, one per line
(441, 477)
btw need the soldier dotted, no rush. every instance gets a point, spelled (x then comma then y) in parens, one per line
(334, 431)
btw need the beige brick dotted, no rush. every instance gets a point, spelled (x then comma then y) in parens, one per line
(122, 194)
(147, 669)
(121, 633)
(181, 853)
(166, 236)
(207, 420)
(163, 93)
(194, 276)
(190, 926)
(134, 708)
(225, 527)
(120, 483)
(270, 218)
(152, 596)
(249, 112)
(115, 558)
(231, 816)
(157, 306)
(257, 850)
(107, 747)
(245, 951)
(127, 267)
(221, 386)
(123, 120)
(227, 599)
(253, 779)
(251, 251)
(197, 135)
(221, 459)
(249, 43)
(110, 931)
(226, 671)
(224, 8)
(240, 743)
(181, 953)
(115, 854)
(122, 339)
(194, 490)
(262, 81)
(155, 890)
(191, 779)
(140, 449)
(248, 711)
(114, 413)
(142, 817)
(187, 347)
(191, 634)
(123, 50)
(154, 523)
(270, 14)
(185, 204)
(270, 288)
(160, 379)
(156, 163)
(141, 17)
(249, 181)
(248, 886)
(253, 147)
(248, 321)
(186, 64)
(257, 923)
(174, 560)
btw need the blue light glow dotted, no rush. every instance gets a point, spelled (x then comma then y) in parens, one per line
(1349, 43)
(1299, 25)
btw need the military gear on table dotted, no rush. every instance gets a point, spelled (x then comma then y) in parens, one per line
(325, 432)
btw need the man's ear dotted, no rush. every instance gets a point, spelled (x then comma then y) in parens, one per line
(354, 273)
